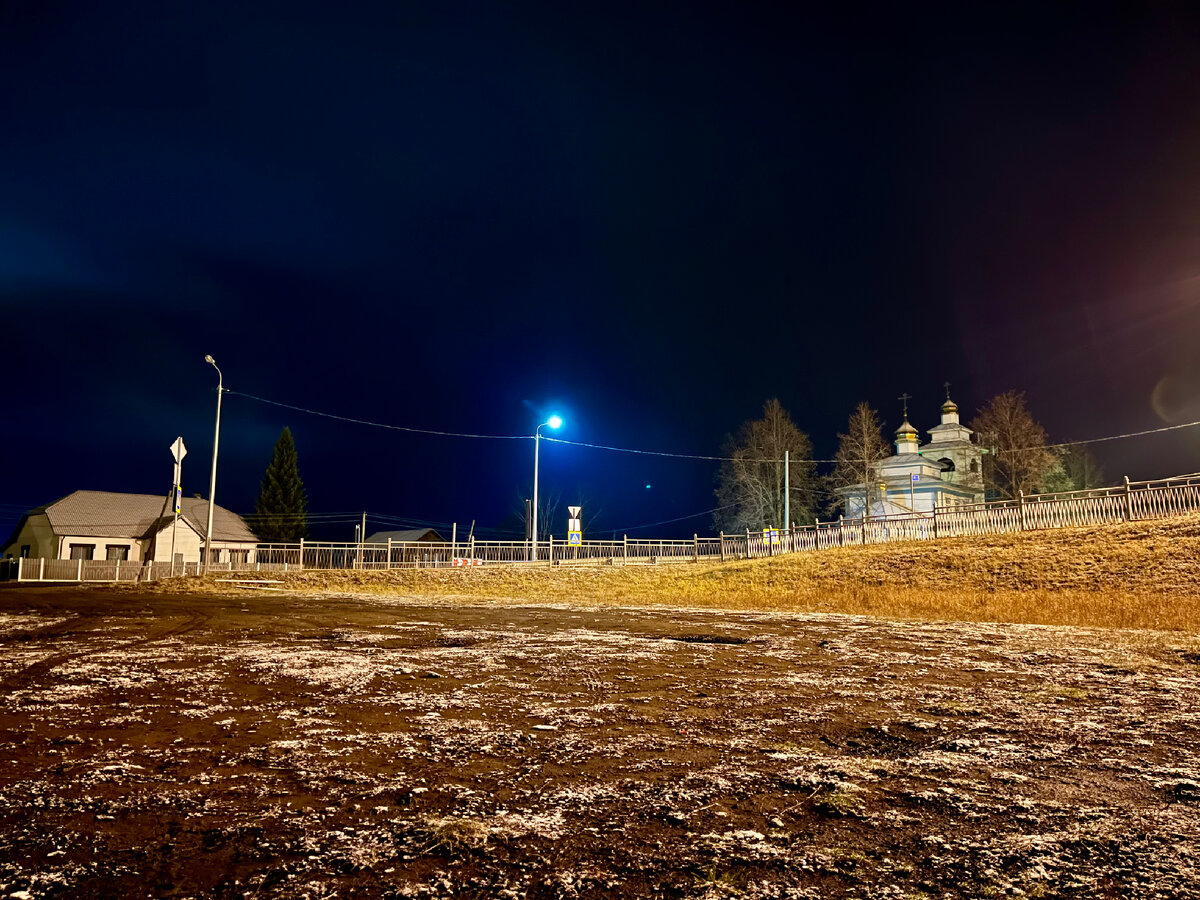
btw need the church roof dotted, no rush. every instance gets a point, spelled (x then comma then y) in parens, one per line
(949, 406)
(905, 428)
(961, 431)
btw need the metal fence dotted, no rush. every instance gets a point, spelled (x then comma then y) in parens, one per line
(1127, 502)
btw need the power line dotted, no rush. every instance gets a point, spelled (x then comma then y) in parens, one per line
(663, 453)
(1111, 437)
(670, 521)
(314, 412)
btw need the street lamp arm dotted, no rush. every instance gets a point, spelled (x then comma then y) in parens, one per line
(553, 422)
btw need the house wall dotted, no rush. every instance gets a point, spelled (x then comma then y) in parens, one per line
(190, 544)
(222, 549)
(187, 542)
(37, 533)
(99, 546)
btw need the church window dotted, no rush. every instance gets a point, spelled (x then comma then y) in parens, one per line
(974, 466)
(947, 464)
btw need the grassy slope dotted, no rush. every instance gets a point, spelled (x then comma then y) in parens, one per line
(1141, 575)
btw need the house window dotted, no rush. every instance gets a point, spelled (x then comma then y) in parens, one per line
(118, 552)
(82, 551)
(25, 548)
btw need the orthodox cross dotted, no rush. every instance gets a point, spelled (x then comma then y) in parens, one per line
(947, 390)
(905, 398)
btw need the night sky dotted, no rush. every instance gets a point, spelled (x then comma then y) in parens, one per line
(646, 218)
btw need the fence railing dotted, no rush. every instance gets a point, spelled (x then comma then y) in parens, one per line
(1126, 502)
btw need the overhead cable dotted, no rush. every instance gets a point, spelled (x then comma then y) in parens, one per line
(314, 412)
(663, 453)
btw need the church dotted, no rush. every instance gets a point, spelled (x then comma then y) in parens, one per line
(946, 471)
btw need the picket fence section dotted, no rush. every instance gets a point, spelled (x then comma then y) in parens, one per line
(1127, 502)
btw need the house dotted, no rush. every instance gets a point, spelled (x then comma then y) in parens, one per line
(402, 550)
(411, 536)
(107, 525)
(946, 471)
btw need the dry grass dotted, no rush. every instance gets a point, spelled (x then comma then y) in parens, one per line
(455, 832)
(1143, 575)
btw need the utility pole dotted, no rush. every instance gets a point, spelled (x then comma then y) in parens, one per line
(787, 493)
(212, 482)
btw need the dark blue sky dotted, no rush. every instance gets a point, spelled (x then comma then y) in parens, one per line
(465, 216)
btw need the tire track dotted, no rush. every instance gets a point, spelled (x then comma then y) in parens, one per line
(41, 668)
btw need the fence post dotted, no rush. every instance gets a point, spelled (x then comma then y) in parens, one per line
(79, 572)
(747, 543)
(935, 528)
(695, 547)
(551, 549)
(625, 548)
(389, 561)
(1128, 502)
(301, 560)
(841, 531)
(42, 570)
(471, 545)
(1021, 504)
(722, 551)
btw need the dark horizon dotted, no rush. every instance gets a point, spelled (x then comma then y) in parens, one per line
(647, 221)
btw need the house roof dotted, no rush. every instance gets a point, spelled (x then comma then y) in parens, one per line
(109, 514)
(400, 537)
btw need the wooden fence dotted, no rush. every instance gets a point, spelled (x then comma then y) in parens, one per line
(1130, 501)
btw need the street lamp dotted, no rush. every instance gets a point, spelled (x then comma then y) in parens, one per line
(553, 422)
(212, 483)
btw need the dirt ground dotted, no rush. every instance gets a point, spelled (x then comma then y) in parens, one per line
(267, 745)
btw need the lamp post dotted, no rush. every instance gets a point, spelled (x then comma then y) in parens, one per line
(553, 422)
(212, 482)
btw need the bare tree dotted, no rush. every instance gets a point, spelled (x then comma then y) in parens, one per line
(552, 518)
(1017, 458)
(860, 450)
(751, 481)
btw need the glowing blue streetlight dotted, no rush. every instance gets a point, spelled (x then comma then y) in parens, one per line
(553, 422)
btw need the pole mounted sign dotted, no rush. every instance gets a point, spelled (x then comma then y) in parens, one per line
(574, 527)
(179, 452)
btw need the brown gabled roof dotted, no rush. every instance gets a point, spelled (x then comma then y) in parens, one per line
(109, 514)
(405, 537)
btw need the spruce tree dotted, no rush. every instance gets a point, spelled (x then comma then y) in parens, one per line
(281, 513)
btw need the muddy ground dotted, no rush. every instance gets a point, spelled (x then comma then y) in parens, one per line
(274, 746)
